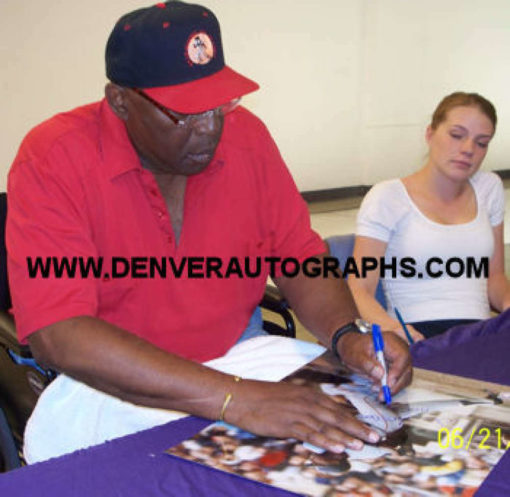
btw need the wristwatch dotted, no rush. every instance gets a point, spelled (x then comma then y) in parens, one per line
(363, 326)
(358, 326)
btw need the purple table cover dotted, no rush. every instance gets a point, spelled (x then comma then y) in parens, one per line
(480, 351)
(136, 465)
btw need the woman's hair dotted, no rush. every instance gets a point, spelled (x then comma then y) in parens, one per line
(462, 99)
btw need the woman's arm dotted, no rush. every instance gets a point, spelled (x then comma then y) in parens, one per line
(363, 289)
(498, 286)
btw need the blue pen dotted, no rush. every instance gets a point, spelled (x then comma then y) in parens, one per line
(406, 331)
(379, 353)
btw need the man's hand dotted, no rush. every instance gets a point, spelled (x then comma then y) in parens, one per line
(285, 410)
(357, 353)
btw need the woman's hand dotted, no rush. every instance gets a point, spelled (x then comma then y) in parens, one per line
(415, 334)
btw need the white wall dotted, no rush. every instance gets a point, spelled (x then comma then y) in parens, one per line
(348, 86)
(414, 54)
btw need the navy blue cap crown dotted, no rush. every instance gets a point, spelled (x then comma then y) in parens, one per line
(163, 45)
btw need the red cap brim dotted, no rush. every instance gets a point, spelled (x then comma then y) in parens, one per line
(205, 93)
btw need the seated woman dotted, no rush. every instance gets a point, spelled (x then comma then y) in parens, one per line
(448, 209)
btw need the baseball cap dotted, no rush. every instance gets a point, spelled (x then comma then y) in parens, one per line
(173, 51)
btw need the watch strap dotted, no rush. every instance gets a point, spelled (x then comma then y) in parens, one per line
(348, 328)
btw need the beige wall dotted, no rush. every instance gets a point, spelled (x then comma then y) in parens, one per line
(347, 85)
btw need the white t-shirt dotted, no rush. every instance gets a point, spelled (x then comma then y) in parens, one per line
(388, 214)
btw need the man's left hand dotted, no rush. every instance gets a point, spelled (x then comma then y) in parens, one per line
(357, 353)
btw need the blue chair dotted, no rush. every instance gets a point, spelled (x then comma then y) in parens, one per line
(341, 246)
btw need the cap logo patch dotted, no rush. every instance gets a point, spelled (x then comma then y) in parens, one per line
(200, 48)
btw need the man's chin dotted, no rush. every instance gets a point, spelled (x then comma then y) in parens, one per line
(194, 164)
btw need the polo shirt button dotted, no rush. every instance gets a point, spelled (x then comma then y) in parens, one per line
(160, 214)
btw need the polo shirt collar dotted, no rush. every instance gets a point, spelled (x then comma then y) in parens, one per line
(118, 153)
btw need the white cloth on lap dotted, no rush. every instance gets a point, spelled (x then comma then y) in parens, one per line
(70, 415)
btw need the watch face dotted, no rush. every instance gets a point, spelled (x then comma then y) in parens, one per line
(363, 326)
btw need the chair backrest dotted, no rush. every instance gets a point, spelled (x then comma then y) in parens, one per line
(5, 296)
(341, 246)
(9, 458)
(21, 378)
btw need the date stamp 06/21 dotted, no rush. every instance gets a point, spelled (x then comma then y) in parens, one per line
(455, 439)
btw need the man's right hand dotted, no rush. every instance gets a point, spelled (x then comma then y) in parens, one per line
(284, 410)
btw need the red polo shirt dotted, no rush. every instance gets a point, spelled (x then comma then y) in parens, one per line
(77, 190)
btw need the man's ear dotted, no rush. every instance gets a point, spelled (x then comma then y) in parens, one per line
(116, 98)
(428, 134)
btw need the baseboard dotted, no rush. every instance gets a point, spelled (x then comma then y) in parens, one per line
(346, 192)
(503, 173)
